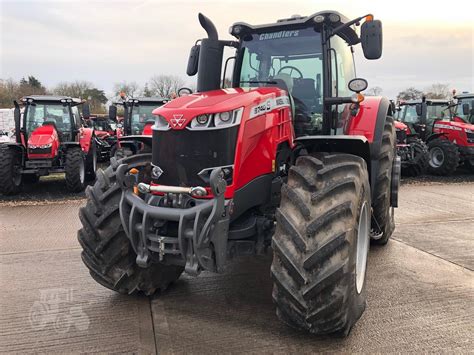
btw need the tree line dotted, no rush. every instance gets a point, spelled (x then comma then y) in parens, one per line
(159, 85)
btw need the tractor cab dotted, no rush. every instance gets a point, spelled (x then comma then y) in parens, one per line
(135, 127)
(420, 115)
(464, 107)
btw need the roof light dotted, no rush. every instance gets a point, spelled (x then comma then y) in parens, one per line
(318, 19)
(369, 18)
(334, 18)
(235, 30)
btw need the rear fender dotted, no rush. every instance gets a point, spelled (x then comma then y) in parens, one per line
(435, 136)
(370, 122)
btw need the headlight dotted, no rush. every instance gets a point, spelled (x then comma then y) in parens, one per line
(45, 146)
(217, 120)
(468, 130)
(161, 124)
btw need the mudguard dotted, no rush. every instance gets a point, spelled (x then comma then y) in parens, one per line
(85, 138)
(369, 122)
(434, 136)
(133, 142)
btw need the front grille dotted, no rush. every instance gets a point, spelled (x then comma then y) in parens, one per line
(183, 154)
(39, 151)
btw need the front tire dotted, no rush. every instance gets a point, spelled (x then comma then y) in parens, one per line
(10, 171)
(443, 157)
(107, 252)
(321, 244)
(75, 169)
(418, 165)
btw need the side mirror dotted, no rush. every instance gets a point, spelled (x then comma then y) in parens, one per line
(193, 60)
(184, 92)
(466, 109)
(17, 119)
(371, 39)
(357, 85)
(113, 112)
(86, 111)
(418, 109)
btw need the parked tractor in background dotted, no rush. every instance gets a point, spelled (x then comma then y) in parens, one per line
(449, 138)
(49, 138)
(292, 142)
(412, 151)
(135, 125)
(106, 134)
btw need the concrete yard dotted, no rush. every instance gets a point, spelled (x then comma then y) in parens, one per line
(420, 290)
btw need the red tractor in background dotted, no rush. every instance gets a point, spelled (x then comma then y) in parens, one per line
(135, 125)
(49, 139)
(105, 131)
(291, 157)
(450, 139)
(464, 108)
(412, 150)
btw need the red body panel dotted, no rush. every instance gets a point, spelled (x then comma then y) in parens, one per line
(85, 138)
(147, 129)
(455, 131)
(44, 135)
(259, 134)
(363, 124)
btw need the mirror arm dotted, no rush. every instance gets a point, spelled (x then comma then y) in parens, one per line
(347, 24)
(338, 100)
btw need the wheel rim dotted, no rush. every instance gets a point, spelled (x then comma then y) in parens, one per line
(362, 246)
(82, 172)
(436, 157)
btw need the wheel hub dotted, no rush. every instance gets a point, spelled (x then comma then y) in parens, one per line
(436, 157)
(362, 246)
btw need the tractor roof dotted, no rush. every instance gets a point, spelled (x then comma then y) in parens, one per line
(49, 98)
(151, 100)
(465, 95)
(296, 22)
(428, 101)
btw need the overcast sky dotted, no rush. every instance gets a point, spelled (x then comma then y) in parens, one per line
(110, 41)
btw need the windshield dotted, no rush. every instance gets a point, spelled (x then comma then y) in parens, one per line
(466, 105)
(291, 60)
(39, 113)
(103, 125)
(409, 114)
(140, 115)
(437, 112)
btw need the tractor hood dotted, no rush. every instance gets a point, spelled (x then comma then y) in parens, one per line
(187, 107)
(42, 136)
(457, 125)
(400, 125)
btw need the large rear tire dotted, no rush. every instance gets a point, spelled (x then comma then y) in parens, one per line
(10, 171)
(107, 252)
(443, 157)
(321, 244)
(75, 169)
(383, 221)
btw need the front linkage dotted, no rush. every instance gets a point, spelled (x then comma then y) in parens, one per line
(175, 228)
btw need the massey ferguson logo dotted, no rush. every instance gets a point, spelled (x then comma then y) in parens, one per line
(177, 121)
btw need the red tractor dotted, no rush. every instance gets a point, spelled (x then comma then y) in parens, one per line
(105, 131)
(464, 113)
(49, 139)
(287, 158)
(135, 126)
(450, 139)
(412, 150)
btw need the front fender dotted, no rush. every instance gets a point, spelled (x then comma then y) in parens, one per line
(85, 138)
(356, 145)
(435, 136)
